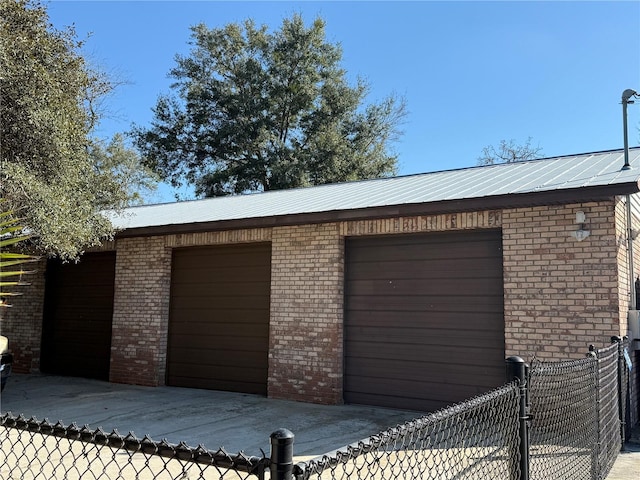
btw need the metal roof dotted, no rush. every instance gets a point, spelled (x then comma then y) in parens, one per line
(535, 176)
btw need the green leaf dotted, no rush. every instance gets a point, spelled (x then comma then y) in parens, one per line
(6, 242)
(15, 273)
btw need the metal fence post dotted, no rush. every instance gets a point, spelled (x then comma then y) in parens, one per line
(621, 398)
(517, 369)
(597, 447)
(281, 465)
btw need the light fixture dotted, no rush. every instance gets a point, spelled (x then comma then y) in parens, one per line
(582, 232)
(580, 235)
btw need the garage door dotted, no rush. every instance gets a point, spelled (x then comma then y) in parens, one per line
(424, 318)
(219, 318)
(76, 332)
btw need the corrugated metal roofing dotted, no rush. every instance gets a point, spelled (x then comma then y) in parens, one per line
(545, 175)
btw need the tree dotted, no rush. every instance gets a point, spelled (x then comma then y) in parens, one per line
(120, 162)
(49, 107)
(509, 152)
(258, 111)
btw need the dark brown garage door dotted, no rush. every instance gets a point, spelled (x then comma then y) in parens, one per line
(76, 332)
(424, 322)
(219, 318)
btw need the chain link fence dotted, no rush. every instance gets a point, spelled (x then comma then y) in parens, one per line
(476, 440)
(563, 420)
(609, 406)
(573, 428)
(38, 450)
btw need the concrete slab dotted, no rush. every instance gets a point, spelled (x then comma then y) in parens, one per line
(627, 464)
(235, 421)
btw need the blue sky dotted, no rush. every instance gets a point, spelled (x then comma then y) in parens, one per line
(472, 73)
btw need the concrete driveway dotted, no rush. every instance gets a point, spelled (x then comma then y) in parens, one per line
(235, 421)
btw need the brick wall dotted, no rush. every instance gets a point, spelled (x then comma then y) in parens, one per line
(560, 294)
(305, 339)
(22, 322)
(624, 291)
(140, 311)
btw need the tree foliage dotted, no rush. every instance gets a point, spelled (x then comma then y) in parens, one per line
(123, 164)
(49, 106)
(509, 152)
(256, 111)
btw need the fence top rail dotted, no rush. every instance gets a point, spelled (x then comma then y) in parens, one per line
(608, 351)
(540, 367)
(386, 437)
(131, 443)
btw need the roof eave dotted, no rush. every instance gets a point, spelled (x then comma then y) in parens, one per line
(495, 202)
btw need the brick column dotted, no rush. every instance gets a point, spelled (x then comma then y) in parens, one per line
(305, 337)
(140, 311)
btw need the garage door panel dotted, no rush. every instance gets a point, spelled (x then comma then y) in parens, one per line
(440, 286)
(222, 304)
(190, 314)
(435, 395)
(78, 315)
(227, 258)
(224, 289)
(431, 355)
(452, 320)
(475, 376)
(251, 300)
(234, 385)
(427, 303)
(195, 276)
(219, 318)
(426, 337)
(228, 373)
(392, 401)
(428, 351)
(419, 309)
(443, 372)
(217, 358)
(222, 328)
(242, 342)
(440, 268)
(468, 250)
(68, 362)
(82, 315)
(93, 336)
